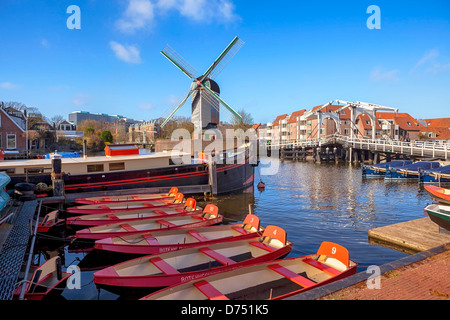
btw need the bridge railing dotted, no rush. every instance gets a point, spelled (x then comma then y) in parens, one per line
(434, 149)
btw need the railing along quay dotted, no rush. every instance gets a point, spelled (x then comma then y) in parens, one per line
(412, 148)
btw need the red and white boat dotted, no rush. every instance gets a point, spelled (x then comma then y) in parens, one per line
(49, 221)
(128, 198)
(268, 280)
(128, 206)
(171, 240)
(190, 207)
(154, 271)
(46, 280)
(210, 216)
(439, 194)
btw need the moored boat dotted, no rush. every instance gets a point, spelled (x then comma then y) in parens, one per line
(189, 207)
(210, 216)
(47, 280)
(439, 214)
(277, 279)
(49, 221)
(126, 206)
(110, 251)
(379, 170)
(156, 271)
(165, 241)
(439, 194)
(235, 172)
(439, 175)
(128, 198)
(410, 171)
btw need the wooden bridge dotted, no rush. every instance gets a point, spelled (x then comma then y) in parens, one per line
(337, 147)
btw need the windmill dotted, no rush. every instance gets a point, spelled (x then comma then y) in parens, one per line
(204, 90)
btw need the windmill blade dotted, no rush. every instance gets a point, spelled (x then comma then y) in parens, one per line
(178, 105)
(221, 101)
(179, 62)
(223, 59)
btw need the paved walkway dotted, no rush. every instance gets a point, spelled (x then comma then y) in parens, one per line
(427, 279)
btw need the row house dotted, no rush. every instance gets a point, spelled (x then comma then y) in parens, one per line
(303, 124)
(12, 130)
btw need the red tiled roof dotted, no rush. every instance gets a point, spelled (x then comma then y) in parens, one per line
(439, 122)
(277, 119)
(364, 118)
(294, 115)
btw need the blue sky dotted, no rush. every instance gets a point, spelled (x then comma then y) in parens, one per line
(297, 54)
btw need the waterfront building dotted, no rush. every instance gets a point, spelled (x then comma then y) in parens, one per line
(12, 130)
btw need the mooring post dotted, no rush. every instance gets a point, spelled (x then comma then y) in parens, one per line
(57, 178)
(212, 177)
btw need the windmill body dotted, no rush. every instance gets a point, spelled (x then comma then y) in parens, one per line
(205, 111)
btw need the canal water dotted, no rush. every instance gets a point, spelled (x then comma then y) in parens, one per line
(313, 203)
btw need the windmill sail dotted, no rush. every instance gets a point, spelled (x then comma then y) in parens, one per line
(205, 92)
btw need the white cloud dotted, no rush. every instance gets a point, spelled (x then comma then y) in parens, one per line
(141, 14)
(8, 85)
(128, 54)
(378, 74)
(145, 106)
(429, 56)
(138, 15)
(81, 99)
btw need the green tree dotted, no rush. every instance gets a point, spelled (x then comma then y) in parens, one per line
(106, 136)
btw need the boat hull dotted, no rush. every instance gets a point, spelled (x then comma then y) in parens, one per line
(439, 194)
(230, 178)
(108, 277)
(439, 216)
(195, 223)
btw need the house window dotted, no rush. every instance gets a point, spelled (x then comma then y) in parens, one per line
(346, 132)
(367, 122)
(94, 167)
(409, 123)
(117, 166)
(10, 141)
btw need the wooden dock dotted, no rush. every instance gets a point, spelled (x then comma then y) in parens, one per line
(411, 236)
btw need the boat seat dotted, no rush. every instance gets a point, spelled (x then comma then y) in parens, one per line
(160, 212)
(163, 266)
(211, 211)
(148, 204)
(322, 266)
(136, 198)
(197, 235)
(151, 240)
(112, 217)
(128, 227)
(173, 191)
(209, 290)
(166, 223)
(217, 256)
(240, 230)
(291, 275)
(262, 246)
